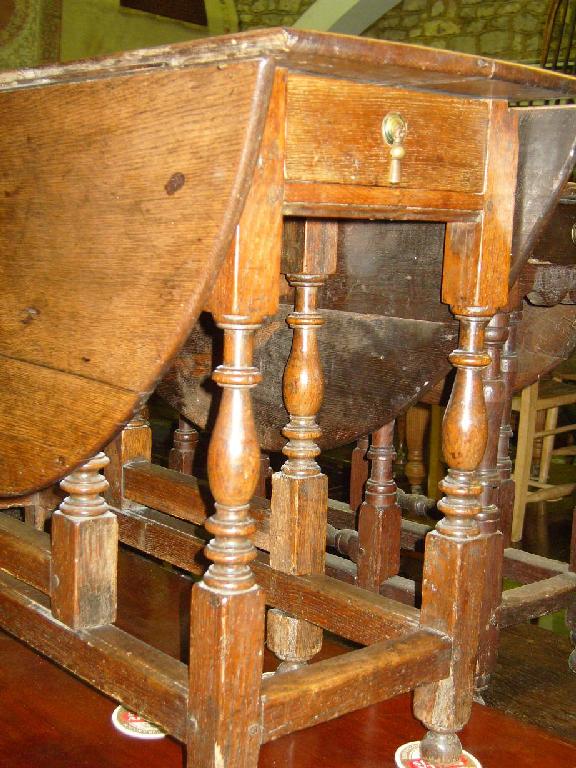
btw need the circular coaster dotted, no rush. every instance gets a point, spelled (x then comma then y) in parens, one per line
(131, 724)
(408, 756)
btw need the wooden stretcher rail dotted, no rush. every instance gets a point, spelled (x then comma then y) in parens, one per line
(355, 614)
(351, 681)
(537, 599)
(25, 553)
(120, 665)
(527, 568)
(155, 684)
(184, 497)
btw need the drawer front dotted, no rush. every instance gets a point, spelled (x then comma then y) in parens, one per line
(334, 135)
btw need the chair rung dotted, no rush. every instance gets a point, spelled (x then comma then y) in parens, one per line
(556, 431)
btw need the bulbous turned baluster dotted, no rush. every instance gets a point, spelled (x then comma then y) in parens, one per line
(303, 383)
(451, 598)
(509, 364)
(227, 612)
(379, 522)
(84, 550)
(233, 466)
(84, 487)
(464, 434)
(299, 490)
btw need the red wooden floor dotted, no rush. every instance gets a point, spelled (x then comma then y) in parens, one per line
(48, 719)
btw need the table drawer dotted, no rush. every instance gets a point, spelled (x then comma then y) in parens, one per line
(334, 135)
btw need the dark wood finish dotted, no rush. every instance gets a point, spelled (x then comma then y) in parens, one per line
(184, 497)
(25, 553)
(112, 660)
(183, 452)
(455, 552)
(134, 443)
(537, 599)
(555, 243)
(227, 613)
(84, 550)
(367, 329)
(379, 520)
(171, 248)
(527, 568)
(300, 490)
(356, 740)
(359, 58)
(360, 616)
(541, 176)
(351, 681)
(326, 118)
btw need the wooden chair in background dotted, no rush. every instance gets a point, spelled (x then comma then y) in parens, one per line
(558, 44)
(545, 397)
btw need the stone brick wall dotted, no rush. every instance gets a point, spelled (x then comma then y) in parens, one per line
(509, 29)
(270, 13)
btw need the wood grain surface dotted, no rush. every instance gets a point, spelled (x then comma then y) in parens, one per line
(335, 135)
(109, 241)
(393, 344)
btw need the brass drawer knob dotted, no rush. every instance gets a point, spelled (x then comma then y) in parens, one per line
(394, 130)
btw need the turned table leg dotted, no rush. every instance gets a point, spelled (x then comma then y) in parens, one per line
(227, 617)
(299, 504)
(509, 363)
(379, 521)
(489, 517)
(185, 443)
(456, 552)
(417, 418)
(300, 489)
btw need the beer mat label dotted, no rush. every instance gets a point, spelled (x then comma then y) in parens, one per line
(408, 756)
(131, 724)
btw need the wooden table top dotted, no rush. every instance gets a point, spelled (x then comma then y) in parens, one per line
(122, 181)
(361, 58)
